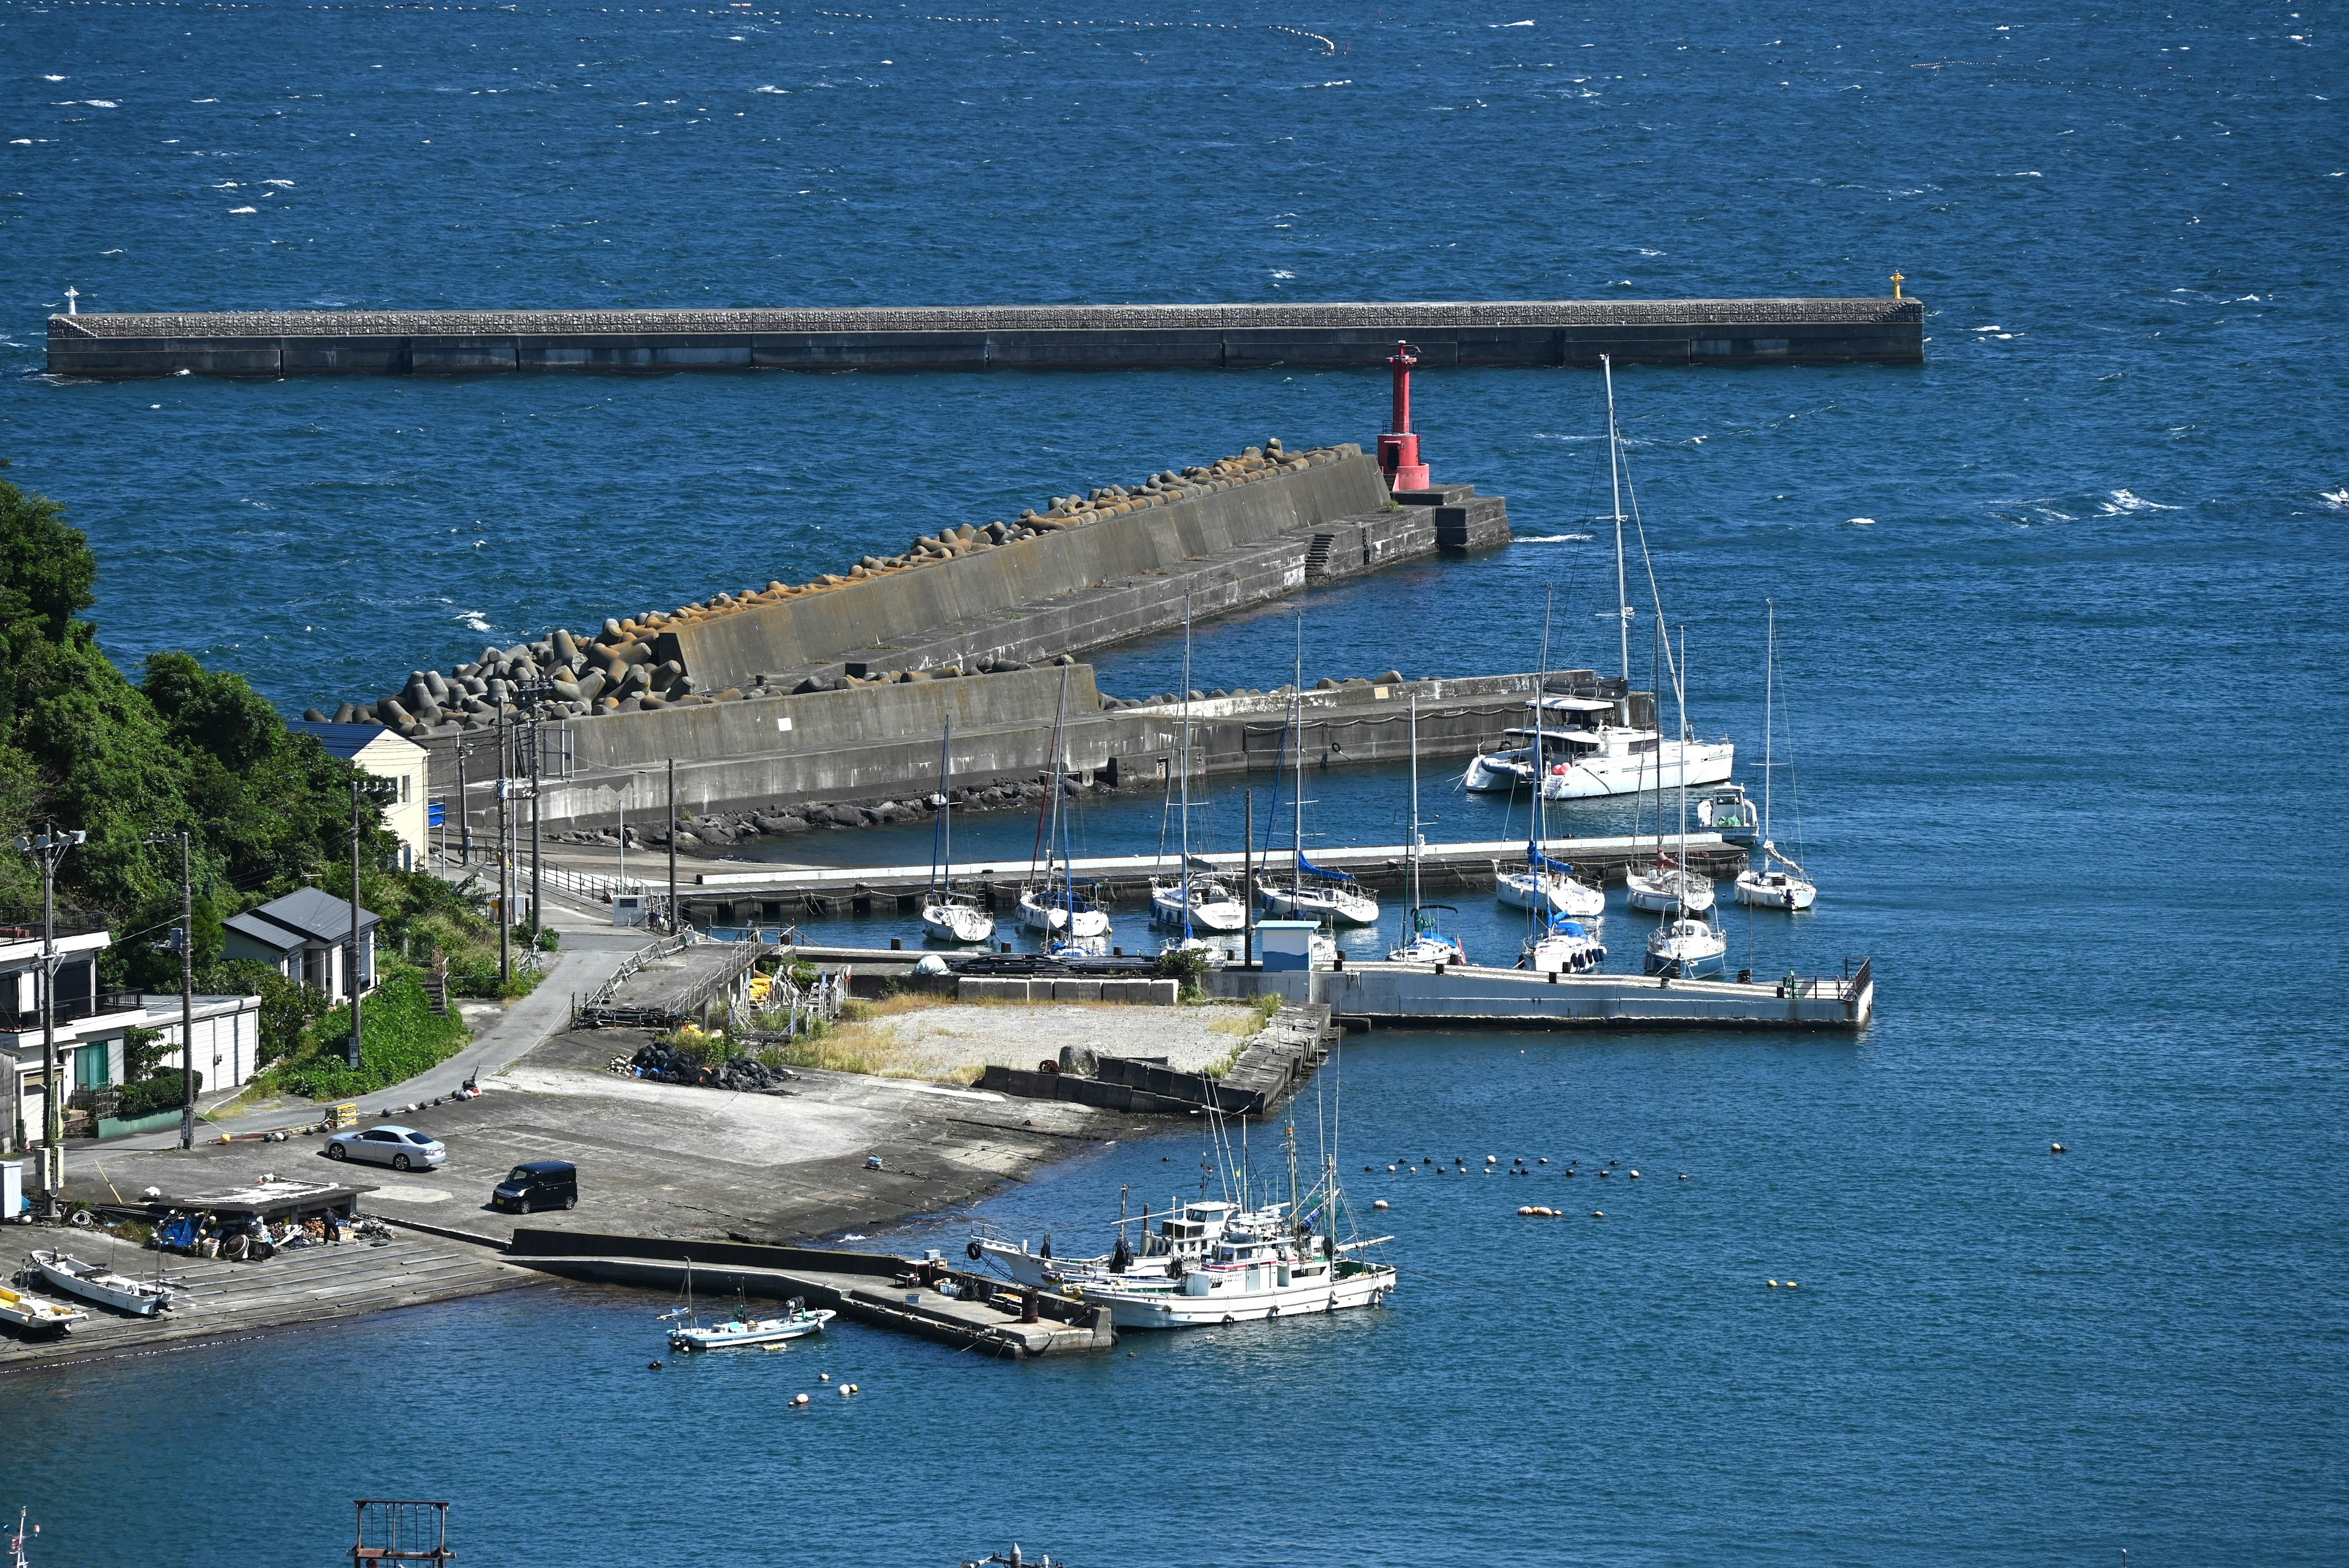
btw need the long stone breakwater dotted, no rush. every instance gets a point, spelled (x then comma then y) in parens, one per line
(988, 337)
(714, 650)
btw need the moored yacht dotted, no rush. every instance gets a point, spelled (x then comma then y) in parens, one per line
(1686, 949)
(1667, 886)
(1563, 947)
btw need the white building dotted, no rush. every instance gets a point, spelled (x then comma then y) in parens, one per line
(89, 1023)
(372, 749)
(228, 1036)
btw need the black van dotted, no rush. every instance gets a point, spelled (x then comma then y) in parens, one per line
(538, 1184)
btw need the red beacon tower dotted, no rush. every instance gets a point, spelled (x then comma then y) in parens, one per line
(1399, 448)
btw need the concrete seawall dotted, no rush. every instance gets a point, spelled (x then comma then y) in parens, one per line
(986, 337)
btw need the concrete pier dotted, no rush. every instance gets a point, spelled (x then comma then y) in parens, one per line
(988, 337)
(1461, 995)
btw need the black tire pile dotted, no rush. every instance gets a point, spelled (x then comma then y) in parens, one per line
(738, 1075)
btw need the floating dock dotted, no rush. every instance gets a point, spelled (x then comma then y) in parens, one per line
(1463, 995)
(784, 892)
(1576, 332)
(980, 1313)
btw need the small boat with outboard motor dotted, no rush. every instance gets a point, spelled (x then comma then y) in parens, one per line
(741, 1331)
(1728, 812)
(90, 1282)
(37, 1314)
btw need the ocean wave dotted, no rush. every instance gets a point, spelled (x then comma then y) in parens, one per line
(773, 89)
(1859, 521)
(1553, 538)
(2125, 502)
(475, 620)
(2337, 498)
(233, 211)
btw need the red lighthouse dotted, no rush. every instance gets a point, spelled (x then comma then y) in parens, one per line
(1399, 448)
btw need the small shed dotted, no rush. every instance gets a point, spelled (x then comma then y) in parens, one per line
(304, 936)
(1286, 945)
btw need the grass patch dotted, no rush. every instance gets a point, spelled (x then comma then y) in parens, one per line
(401, 1037)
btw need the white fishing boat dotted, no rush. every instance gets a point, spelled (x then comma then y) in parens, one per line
(1180, 1240)
(104, 1286)
(1779, 882)
(948, 915)
(1424, 940)
(741, 1331)
(1666, 886)
(1266, 1268)
(1562, 947)
(37, 1314)
(1620, 759)
(1686, 949)
(1052, 905)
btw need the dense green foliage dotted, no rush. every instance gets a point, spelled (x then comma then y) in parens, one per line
(400, 1036)
(161, 1093)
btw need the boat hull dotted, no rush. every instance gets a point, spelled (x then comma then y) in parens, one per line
(1180, 1309)
(106, 1289)
(1550, 895)
(1661, 896)
(1786, 893)
(1691, 764)
(1047, 918)
(1496, 773)
(1564, 955)
(957, 923)
(1688, 960)
(1317, 904)
(748, 1336)
(1222, 914)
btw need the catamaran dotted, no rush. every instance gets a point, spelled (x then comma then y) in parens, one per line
(1779, 882)
(1619, 758)
(1424, 940)
(1313, 892)
(948, 915)
(1053, 906)
(1684, 946)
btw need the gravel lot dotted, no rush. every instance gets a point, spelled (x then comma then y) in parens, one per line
(956, 1039)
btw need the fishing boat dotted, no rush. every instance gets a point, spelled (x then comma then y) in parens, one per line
(1728, 812)
(104, 1286)
(1779, 882)
(38, 1315)
(1312, 892)
(16, 1558)
(1562, 947)
(1614, 759)
(1053, 905)
(948, 915)
(741, 1332)
(1180, 1240)
(1280, 1260)
(1424, 940)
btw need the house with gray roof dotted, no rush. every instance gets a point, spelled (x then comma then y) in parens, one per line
(304, 937)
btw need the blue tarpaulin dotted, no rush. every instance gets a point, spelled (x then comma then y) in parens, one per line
(1541, 862)
(1567, 928)
(1314, 870)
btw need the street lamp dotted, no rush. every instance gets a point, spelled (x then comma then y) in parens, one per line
(50, 846)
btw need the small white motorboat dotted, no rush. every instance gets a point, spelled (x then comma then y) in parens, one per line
(1686, 949)
(104, 1286)
(741, 1332)
(1727, 812)
(1666, 887)
(38, 1315)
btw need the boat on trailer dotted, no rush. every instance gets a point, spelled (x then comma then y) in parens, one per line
(102, 1285)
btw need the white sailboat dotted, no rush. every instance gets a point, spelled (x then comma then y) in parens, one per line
(93, 1284)
(1195, 900)
(1684, 946)
(1052, 907)
(1545, 886)
(1422, 940)
(948, 915)
(1614, 759)
(1312, 893)
(1669, 886)
(1779, 882)
(1563, 946)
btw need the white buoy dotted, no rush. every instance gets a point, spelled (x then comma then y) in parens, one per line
(2055, 1148)
(798, 1399)
(1774, 1285)
(1492, 1160)
(1389, 1170)
(1598, 1214)
(823, 1377)
(1379, 1203)
(1632, 1174)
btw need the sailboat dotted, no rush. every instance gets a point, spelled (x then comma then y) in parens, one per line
(1668, 885)
(1313, 893)
(1052, 905)
(1684, 946)
(948, 915)
(1546, 885)
(1779, 882)
(1614, 759)
(1422, 940)
(1197, 899)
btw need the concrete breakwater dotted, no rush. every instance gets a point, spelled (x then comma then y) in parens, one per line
(988, 337)
(870, 754)
(1088, 569)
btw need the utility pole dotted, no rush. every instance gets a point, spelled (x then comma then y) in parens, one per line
(464, 802)
(51, 846)
(505, 898)
(187, 996)
(674, 925)
(374, 789)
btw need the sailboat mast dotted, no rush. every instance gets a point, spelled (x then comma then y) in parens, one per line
(1615, 477)
(1414, 817)
(1186, 767)
(1769, 716)
(1296, 806)
(1060, 769)
(1535, 833)
(1679, 705)
(946, 812)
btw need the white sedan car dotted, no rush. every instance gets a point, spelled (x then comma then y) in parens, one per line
(402, 1148)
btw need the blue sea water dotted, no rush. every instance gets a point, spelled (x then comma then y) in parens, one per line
(2059, 623)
